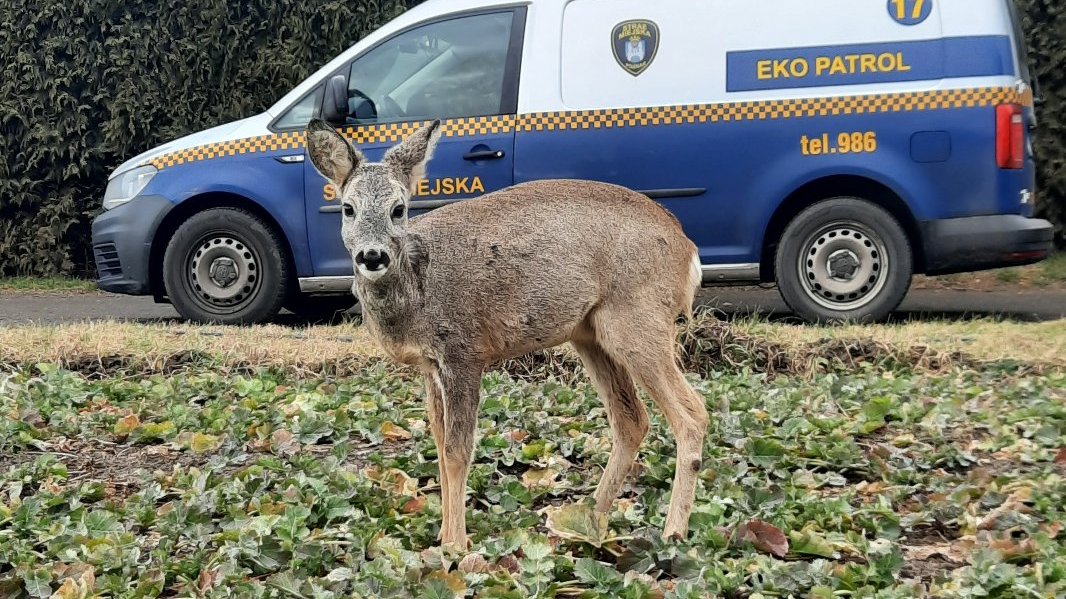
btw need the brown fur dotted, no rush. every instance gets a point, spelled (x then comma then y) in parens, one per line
(531, 267)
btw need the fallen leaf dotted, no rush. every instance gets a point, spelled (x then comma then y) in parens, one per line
(578, 522)
(539, 478)
(1060, 458)
(957, 551)
(200, 443)
(282, 441)
(413, 505)
(474, 563)
(126, 425)
(393, 433)
(509, 563)
(207, 580)
(1011, 550)
(764, 536)
(453, 580)
(517, 436)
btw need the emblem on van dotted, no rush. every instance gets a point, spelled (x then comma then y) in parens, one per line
(635, 44)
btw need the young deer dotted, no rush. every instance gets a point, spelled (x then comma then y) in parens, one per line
(522, 269)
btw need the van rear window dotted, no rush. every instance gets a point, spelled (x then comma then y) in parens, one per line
(1021, 49)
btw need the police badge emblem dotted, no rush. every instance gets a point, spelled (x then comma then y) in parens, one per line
(635, 44)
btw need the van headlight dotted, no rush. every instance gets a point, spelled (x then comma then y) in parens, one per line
(126, 186)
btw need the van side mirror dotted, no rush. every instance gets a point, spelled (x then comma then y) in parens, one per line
(335, 102)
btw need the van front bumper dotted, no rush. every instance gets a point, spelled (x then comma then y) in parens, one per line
(984, 242)
(122, 244)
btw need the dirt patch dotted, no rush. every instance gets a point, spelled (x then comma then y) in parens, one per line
(930, 554)
(121, 469)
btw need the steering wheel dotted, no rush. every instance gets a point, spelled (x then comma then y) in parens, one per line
(366, 98)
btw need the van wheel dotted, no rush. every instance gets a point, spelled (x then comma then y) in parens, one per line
(844, 260)
(225, 266)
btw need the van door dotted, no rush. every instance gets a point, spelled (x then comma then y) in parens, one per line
(462, 70)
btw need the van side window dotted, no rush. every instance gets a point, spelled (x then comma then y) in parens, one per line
(448, 69)
(301, 112)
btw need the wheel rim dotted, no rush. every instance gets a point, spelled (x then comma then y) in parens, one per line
(222, 272)
(844, 265)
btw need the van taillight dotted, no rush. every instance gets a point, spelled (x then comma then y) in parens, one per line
(1010, 136)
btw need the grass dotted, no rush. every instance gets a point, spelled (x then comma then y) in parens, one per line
(46, 285)
(1049, 274)
(918, 460)
(347, 349)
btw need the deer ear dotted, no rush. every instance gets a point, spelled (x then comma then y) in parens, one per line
(333, 157)
(408, 160)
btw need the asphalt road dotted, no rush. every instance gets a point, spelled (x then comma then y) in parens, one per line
(920, 304)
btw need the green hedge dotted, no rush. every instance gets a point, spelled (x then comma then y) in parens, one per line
(1045, 26)
(89, 83)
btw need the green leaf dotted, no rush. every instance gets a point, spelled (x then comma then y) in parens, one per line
(100, 523)
(437, 589)
(38, 583)
(808, 542)
(765, 451)
(595, 573)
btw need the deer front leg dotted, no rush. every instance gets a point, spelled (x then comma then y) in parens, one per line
(462, 387)
(435, 414)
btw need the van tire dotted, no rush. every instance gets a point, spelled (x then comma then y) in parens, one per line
(844, 260)
(226, 266)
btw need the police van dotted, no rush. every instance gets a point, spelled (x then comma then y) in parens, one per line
(834, 147)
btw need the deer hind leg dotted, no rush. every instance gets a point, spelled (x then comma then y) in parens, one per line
(645, 345)
(625, 413)
(461, 396)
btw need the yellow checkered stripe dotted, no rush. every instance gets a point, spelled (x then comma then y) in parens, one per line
(237, 147)
(372, 134)
(766, 110)
(622, 117)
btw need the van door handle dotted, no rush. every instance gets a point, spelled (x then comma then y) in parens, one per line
(484, 155)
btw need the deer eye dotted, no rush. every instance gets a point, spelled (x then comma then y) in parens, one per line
(349, 210)
(398, 212)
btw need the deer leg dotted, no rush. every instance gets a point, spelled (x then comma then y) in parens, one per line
(435, 414)
(646, 347)
(462, 389)
(625, 414)
(685, 412)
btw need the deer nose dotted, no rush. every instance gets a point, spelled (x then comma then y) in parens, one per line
(372, 259)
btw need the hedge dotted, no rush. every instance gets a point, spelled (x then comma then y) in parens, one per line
(1045, 26)
(89, 83)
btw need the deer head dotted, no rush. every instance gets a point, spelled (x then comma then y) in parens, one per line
(374, 197)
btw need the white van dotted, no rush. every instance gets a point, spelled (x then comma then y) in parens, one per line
(835, 147)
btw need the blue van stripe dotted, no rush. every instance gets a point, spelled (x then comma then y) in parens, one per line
(857, 64)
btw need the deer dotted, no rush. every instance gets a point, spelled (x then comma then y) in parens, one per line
(530, 267)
